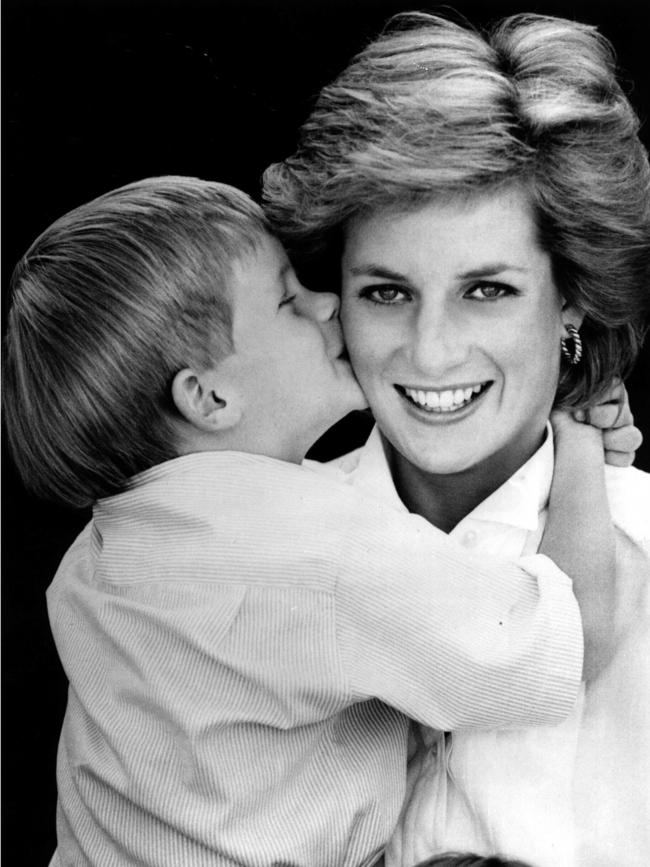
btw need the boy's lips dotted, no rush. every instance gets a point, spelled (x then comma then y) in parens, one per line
(444, 401)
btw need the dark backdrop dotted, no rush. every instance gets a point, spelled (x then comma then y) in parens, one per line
(97, 94)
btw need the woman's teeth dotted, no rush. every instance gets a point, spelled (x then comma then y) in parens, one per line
(448, 400)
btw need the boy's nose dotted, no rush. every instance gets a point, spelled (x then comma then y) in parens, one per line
(324, 305)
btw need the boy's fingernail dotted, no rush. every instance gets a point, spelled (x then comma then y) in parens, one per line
(579, 415)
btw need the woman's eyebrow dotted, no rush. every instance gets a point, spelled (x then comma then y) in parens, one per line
(490, 269)
(376, 271)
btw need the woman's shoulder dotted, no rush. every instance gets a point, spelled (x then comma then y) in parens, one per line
(628, 489)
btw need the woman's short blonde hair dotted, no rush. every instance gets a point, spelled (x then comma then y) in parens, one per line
(432, 109)
(108, 304)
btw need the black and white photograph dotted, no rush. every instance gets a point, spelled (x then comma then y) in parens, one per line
(326, 433)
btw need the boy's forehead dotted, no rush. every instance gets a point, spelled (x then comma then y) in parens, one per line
(271, 248)
(267, 260)
(259, 276)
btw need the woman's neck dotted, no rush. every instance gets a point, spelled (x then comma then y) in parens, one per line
(445, 499)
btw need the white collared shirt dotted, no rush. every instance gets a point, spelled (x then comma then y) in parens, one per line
(578, 792)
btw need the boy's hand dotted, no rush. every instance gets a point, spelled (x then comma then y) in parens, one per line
(614, 417)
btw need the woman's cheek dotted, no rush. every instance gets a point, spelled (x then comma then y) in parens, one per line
(364, 338)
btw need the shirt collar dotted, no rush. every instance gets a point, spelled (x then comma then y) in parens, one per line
(521, 498)
(518, 502)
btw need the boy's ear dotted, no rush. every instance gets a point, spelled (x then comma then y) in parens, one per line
(205, 400)
(571, 315)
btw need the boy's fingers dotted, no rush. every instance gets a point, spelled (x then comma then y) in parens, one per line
(562, 420)
(619, 459)
(622, 439)
(610, 415)
(612, 411)
(616, 393)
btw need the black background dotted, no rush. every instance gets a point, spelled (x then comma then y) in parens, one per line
(97, 94)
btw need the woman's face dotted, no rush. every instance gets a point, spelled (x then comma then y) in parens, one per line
(453, 325)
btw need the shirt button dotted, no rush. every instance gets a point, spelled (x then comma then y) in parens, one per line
(469, 539)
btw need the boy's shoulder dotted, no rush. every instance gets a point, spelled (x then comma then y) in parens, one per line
(202, 480)
(219, 517)
(75, 561)
(340, 468)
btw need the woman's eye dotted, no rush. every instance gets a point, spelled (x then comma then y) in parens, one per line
(489, 291)
(384, 294)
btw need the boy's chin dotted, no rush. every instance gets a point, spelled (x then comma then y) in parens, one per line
(357, 399)
(356, 403)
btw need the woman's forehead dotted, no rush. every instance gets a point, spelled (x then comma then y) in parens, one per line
(499, 217)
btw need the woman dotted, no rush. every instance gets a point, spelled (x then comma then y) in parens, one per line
(491, 201)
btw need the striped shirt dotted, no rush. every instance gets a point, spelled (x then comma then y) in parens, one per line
(243, 639)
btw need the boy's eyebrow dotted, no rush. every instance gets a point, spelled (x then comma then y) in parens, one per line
(280, 280)
(283, 270)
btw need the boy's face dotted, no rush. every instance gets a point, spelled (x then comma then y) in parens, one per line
(292, 377)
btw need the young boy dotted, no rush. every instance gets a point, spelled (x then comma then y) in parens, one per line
(244, 639)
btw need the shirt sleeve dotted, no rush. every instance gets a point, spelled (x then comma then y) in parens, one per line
(452, 639)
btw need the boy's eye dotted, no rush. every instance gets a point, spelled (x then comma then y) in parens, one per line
(288, 299)
(489, 291)
(384, 294)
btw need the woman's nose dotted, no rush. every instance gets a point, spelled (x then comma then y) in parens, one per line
(435, 344)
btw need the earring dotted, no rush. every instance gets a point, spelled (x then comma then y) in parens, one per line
(574, 354)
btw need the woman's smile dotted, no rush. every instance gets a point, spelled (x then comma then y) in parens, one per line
(448, 402)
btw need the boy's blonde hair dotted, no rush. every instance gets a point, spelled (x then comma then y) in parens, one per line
(109, 303)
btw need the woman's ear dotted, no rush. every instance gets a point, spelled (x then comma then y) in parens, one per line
(571, 315)
(206, 400)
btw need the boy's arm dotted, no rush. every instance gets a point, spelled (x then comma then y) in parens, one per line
(450, 638)
(579, 534)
